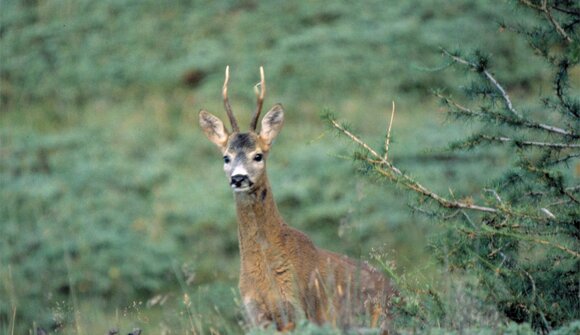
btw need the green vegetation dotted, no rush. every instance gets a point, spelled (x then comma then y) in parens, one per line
(114, 212)
(519, 234)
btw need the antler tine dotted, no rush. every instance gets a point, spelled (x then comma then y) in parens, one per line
(260, 99)
(227, 106)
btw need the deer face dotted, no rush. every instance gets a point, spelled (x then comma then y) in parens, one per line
(244, 154)
(244, 161)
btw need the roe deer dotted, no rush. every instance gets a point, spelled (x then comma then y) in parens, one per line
(283, 275)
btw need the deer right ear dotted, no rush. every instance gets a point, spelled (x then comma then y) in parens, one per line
(271, 125)
(213, 128)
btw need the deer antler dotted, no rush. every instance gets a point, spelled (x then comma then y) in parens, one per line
(227, 106)
(260, 99)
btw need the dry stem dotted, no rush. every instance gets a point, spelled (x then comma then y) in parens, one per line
(531, 143)
(388, 138)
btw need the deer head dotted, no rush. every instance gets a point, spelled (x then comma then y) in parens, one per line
(244, 153)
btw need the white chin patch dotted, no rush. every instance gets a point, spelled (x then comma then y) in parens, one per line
(241, 189)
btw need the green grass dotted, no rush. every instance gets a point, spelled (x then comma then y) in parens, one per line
(111, 198)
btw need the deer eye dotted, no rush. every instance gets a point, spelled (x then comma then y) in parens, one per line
(258, 157)
(227, 160)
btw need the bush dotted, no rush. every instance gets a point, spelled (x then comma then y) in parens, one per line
(54, 241)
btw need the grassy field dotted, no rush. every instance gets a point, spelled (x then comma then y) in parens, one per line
(114, 211)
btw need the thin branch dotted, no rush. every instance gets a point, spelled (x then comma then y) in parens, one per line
(535, 297)
(548, 176)
(554, 129)
(546, 10)
(492, 191)
(489, 77)
(466, 216)
(548, 213)
(556, 25)
(388, 138)
(567, 11)
(530, 143)
(356, 139)
(548, 243)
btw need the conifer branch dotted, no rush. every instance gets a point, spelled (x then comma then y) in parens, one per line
(561, 83)
(506, 119)
(548, 13)
(489, 77)
(395, 174)
(491, 230)
(553, 182)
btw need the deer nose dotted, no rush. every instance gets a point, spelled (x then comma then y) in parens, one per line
(238, 179)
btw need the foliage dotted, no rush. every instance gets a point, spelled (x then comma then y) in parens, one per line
(519, 235)
(53, 242)
(113, 207)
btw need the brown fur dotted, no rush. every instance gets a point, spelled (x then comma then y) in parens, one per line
(284, 274)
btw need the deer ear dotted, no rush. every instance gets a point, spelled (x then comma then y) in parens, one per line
(213, 128)
(272, 124)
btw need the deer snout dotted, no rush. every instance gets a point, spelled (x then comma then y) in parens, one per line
(239, 180)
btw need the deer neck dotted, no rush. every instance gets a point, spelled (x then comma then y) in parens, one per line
(259, 222)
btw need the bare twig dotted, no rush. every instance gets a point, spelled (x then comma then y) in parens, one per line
(468, 218)
(388, 138)
(531, 143)
(497, 197)
(13, 320)
(356, 139)
(548, 213)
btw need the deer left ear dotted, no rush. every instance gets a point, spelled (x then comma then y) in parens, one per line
(272, 124)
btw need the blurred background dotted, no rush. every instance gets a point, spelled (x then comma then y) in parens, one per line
(114, 210)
